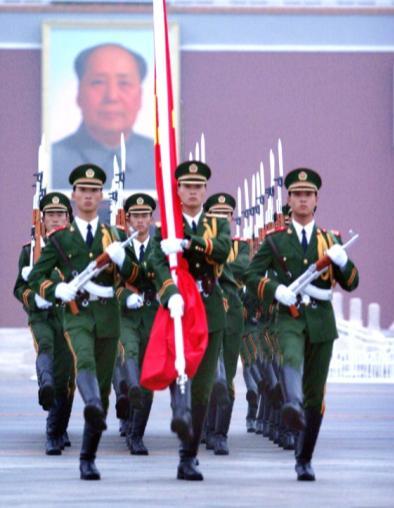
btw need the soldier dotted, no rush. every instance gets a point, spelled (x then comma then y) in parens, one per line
(206, 248)
(93, 330)
(54, 363)
(138, 305)
(305, 344)
(219, 415)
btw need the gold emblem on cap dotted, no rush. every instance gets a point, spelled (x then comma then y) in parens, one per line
(55, 200)
(140, 201)
(90, 173)
(193, 168)
(302, 176)
(222, 199)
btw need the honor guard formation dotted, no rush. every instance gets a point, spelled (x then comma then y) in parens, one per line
(107, 303)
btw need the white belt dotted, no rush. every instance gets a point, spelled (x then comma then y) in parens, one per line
(199, 286)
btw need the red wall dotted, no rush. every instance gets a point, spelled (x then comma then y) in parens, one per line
(333, 111)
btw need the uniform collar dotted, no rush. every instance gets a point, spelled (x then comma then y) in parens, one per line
(190, 219)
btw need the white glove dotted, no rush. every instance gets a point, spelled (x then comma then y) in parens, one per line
(26, 272)
(172, 245)
(41, 303)
(117, 253)
(285, 296)
(66, 291)
(338, 255)
(134, 301)
(176, 305)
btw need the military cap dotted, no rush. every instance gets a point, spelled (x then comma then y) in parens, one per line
(302, 179)
(88, 175)
(192, 172)
(139, 203)
(55, 202)
(220, 203)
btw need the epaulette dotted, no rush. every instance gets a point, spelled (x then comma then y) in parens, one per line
(275, 230)
(60, 228)
(158, 224)
(122, 228)
(26, 244)
(333, 231)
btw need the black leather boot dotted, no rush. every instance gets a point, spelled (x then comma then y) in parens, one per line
(120, 388)
(90, 392)
(53, 444)
(223, 420)
(260, 415)
(181, 422)
(210, 423)
(66, 408)
(305, 446)
(219, 389)
(291, 384)
(252, 399)
(188, 464)
(140, 419)
(90, 440)
(133, 382)
(46, 387)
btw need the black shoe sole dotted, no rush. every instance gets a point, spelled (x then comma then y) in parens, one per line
(221, 452)
(54, 451)
(95, 417)
(182, 429)
(306, 478)
(139, 452)
(90, 477)
(46, 397)
(293, 418)
(196, 478)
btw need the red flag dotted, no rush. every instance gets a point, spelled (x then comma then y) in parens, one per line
(158, 369)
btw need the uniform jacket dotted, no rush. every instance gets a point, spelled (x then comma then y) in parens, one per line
(208, 252)
(319, 318)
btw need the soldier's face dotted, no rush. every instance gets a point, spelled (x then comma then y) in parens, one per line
(140, 222)
(53, 220)
(192, 194)
(109, 92)
(303, 204)
(87, 199)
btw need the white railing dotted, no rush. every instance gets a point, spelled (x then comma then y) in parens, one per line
(362, 353)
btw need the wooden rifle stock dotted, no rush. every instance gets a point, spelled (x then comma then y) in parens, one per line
(37, 232)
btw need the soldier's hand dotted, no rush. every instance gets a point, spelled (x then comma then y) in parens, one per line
(117, 253)
(134, 301)
(285, 296)
(26, 272)
(65, 291)
(41, 303)
(173, 245)
(338, 255)
(176, 305)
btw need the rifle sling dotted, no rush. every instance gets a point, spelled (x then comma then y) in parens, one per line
(278, 257)
(63, 255)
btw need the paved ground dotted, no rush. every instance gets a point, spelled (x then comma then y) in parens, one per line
(354, 461)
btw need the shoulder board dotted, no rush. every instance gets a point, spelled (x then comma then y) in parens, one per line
(60, 228)
(335, 232)
(158, 224)
(26, 244)
(275, 230)
(122, 228)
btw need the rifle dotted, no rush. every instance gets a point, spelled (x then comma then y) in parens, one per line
(118, 216)
(93, 269)
(312, 273)
(40, 191)
(280, 218)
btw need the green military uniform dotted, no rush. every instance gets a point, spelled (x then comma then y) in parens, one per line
(219, 415)
(209, 249)
(135, 326)
(305, 344)
(54, 362)
(94, 331)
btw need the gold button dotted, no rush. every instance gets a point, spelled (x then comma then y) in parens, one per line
(69, 255)
(197, 265)
(284, 258)
(90, 254)
(305, 261)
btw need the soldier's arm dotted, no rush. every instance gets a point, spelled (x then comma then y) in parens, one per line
(347, 277)
(158, 262)
(255, 277)
(241, 262)
(22, 290)
(216, 248)
(41, 278)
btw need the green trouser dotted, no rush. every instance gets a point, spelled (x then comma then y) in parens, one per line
(203, 380)
(49, 339)
(134, 340)
(298, 351)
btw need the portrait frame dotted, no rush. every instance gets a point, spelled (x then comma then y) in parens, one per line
(62, 42)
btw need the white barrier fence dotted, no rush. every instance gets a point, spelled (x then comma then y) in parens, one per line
(363, 353)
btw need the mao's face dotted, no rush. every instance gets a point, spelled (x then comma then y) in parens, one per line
(109, 92)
